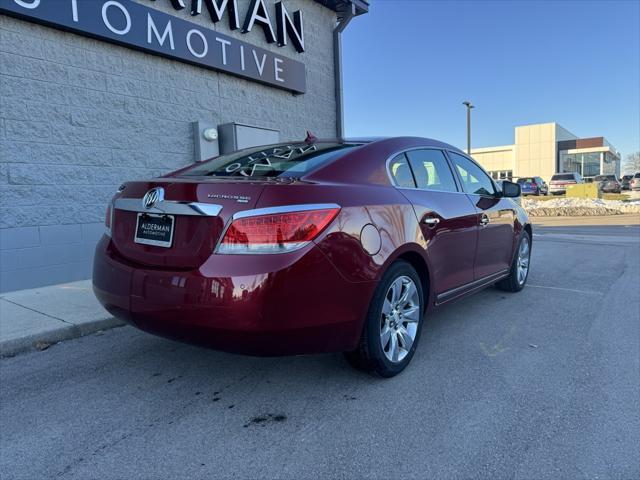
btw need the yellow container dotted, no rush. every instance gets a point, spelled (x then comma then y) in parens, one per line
(584, 190)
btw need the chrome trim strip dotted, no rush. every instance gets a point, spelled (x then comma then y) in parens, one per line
(291, 247)
(392, 180)
(428, 190)
(169, 207)
(405, 150)
(470, 287)
(284, 209)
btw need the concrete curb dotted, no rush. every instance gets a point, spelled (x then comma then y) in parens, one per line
(12, 347)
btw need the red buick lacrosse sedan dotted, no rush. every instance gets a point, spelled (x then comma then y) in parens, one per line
(307, 247)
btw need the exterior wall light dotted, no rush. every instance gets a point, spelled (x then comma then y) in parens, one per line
(210, 134)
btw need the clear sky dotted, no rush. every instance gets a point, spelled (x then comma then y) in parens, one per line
(409, 64)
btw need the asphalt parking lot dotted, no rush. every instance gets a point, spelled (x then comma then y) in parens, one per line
(540, 384)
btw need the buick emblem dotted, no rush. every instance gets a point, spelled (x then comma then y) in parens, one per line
(152, 197)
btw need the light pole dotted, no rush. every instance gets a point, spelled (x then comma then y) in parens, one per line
(469, 107)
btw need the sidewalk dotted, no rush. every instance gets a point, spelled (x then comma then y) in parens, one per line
(42, 316)
(627, 219)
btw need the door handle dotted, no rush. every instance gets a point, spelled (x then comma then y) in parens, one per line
(484, 220)
(432, 222)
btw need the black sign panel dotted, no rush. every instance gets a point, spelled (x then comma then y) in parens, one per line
(134, 25)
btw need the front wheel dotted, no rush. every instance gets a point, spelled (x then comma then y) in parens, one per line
(519, 268)
(393, 323)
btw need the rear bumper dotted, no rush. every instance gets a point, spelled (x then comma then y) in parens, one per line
(281, 304)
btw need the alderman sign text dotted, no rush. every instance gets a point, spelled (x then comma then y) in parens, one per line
(134, 25)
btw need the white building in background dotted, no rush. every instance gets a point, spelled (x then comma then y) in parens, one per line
(547, 148)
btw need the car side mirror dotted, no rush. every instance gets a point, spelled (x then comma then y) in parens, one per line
(510, 189)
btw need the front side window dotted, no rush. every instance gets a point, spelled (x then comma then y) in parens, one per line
(401, 172)
(431, 170)
(473, 177)
(285, 160)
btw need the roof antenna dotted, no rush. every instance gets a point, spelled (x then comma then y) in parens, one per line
(311, 138)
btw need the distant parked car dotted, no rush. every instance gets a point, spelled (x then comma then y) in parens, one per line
(625, 182)
(560, 181)
(634, 183)
(533, 186)
(608, 184)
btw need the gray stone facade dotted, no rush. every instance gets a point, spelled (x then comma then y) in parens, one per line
(79, 116)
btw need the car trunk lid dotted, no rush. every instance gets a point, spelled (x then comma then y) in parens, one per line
(196, 209)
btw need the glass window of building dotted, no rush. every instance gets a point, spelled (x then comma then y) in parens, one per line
(569, 163)
(610, 164)
(590, 164)
(586, 164)
(501, 174)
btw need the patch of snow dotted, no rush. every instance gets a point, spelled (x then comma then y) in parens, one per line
(579, 206)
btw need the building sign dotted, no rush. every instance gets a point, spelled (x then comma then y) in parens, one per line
(137, 26)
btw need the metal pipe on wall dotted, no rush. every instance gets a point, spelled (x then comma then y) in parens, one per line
(337, 67)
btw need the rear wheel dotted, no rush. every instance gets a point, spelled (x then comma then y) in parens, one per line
(519, 268)
(393, 323)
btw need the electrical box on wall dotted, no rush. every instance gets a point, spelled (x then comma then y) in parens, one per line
(206, 140)
(236, 136)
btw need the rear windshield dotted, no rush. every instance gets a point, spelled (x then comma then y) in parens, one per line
(627, 177)
(286, 160)
(601, 178)
(526, 180)
(563, 176)
(637, 175)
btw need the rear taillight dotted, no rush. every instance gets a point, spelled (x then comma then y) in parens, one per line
(284, 230)
(108, 220)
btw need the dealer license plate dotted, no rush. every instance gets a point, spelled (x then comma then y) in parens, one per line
(153, 229)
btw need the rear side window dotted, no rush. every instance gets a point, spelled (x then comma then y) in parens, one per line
(286, 160)
(526, 180)
(401, 172)
(563, 176)
(474, 179)
(431, 170)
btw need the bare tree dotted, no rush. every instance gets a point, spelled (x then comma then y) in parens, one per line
(631, 163)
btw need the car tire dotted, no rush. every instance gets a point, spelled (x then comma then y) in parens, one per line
(382, 348)
(519, 272)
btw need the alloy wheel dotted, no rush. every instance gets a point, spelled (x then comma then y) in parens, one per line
(524, 254)
(401, 312)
